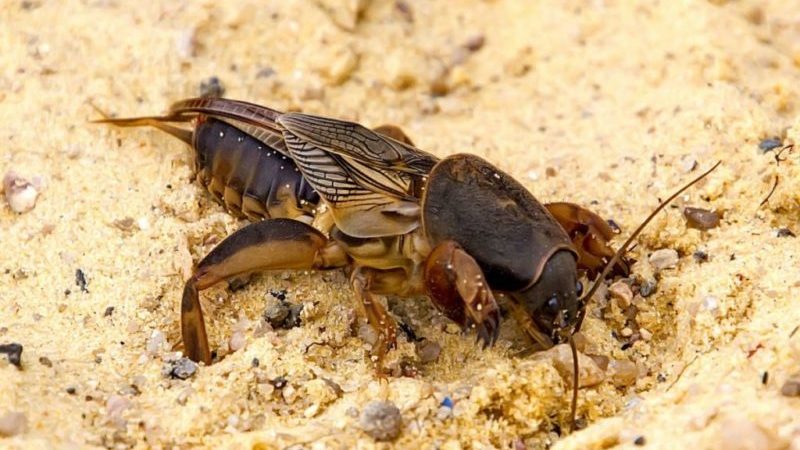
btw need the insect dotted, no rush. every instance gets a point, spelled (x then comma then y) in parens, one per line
(326, 194)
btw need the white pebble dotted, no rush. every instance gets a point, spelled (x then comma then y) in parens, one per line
(237, 341)
(116, 405)
(155, 343)
(20, 194)
(185, 43)
(664, 258)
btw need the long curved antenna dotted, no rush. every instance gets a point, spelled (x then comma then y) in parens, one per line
(586, 298)
(575, 384)
(151, 121)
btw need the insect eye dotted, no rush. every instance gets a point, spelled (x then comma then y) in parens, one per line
(553, 305)
(578, 288)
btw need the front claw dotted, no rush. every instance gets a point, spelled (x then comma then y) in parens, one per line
(457, 287)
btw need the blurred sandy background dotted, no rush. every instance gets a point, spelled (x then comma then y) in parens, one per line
(610, 104)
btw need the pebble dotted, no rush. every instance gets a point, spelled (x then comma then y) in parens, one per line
(211, 88)
(237, 341)
(769, 144)
(700, 219)
(791, 388)
(623, 372)
(645, 334)
(13, 352)
(182, 368)
(381, 420)
(561, 358)
(647, 288)
(688, 163)
(116, 405)
(784, 232)
(13, 423)
(155, 343)
(622, 293)
(20, 194)
(186, 43)
(184, 395)
(428, 351)
(664, 258)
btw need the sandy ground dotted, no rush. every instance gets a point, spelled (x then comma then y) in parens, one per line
(607, 104)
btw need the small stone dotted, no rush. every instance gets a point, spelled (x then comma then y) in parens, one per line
(181, 369)
(623, 373)
(155, 343)
(276, 313)
(640, 441)
(211, 88)
(186, 43)
(13, 352)
(237, 341)
(20, 194)
(688, 163)
(645, 334)
(381, 420)
(80, 280)
(45, 361)
(108, 312)
(622, 293)
(13, 423)
(116, 405)
(769, 144)
(475, 42)
(428, 351)
(701, 219)
(664, 258)
(784, 232)
(561, 357)
(626, 332)
(647, 288)
(791, 388)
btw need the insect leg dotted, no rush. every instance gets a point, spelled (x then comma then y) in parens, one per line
(458, 288)
(376, 314)
(266, 245)
(590, 235)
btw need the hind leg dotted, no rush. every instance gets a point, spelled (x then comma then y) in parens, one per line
(266, 245)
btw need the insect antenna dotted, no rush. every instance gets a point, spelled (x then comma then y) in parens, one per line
(152, 121)
(622, 250)
(586, 298)
(574, 381)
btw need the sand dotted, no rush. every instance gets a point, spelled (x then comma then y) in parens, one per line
(607, 104)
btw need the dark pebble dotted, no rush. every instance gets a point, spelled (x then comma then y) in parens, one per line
(279, 383)
(255, 362)
(701, 219)
(108, 312)
(700, 256)
(181, 369)
(647, 288)
(266, 72)
(45, 361)
(765, 377)
(71, 390)
(211, 88)
(769, 144)
(80, 280)
(784, 232)
(14, 353)
(640, 441)
(280, 295)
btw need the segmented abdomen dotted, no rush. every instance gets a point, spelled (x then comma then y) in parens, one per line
(249, 177)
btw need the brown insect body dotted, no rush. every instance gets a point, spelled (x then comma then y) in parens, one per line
(336, 194)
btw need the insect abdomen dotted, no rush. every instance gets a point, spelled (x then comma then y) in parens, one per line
(249, 177)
